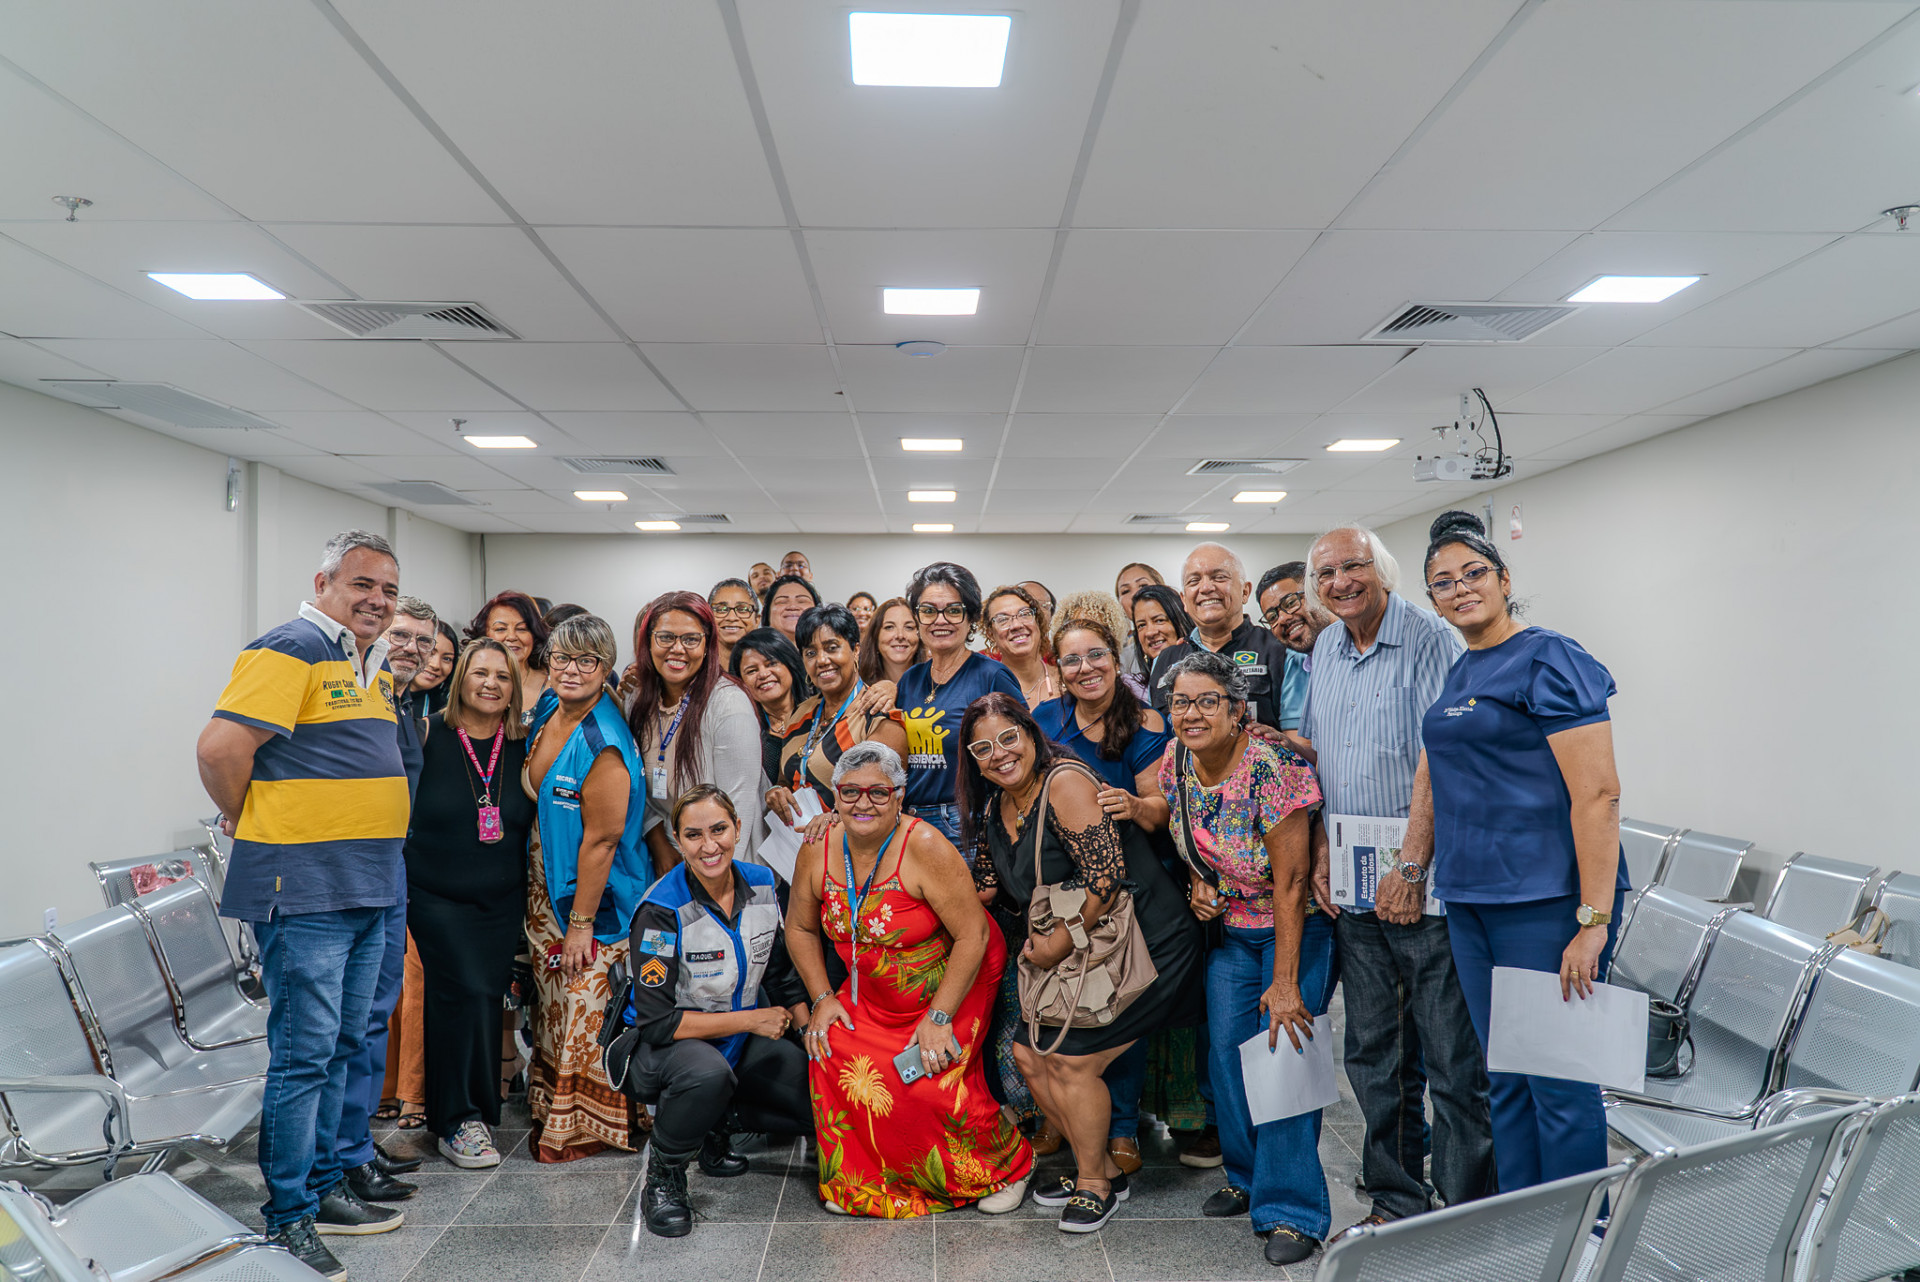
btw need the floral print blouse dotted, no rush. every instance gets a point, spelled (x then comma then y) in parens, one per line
(1231, 821)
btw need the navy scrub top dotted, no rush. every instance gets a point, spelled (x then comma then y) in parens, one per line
(1502, 816)
(1143, 751)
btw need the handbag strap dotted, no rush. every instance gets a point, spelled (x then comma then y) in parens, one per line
(1189, 853)
(1033, 1022)
(1043, 812)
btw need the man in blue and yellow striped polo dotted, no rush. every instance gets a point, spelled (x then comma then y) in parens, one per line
(303, 749)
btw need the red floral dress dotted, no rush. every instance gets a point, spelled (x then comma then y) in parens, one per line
(887, 1148)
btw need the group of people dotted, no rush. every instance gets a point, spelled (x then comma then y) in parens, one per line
(1058, 860)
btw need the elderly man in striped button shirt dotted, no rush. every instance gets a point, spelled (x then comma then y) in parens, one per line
(1373, 678)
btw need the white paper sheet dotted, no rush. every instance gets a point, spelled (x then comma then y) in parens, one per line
(1284, 1082)
(1600, 1039)
(780, 848)
(806, 803)
(1361, 851)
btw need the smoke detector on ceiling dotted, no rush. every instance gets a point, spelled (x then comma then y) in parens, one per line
(422, 321)
(920, 347)
(1467, 322)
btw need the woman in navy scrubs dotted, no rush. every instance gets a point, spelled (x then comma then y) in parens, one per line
(1518, 777)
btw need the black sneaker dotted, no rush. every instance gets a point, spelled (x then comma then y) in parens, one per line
(1087, 1210)
(391, 1165)
(1055, 1192)
(717, 1157)
(1289, 1246)
(306, 1246)
(344, 1215)
(664, 1203)
(1228, 1201)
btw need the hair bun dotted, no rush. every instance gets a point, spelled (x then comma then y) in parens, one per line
(1455, 522)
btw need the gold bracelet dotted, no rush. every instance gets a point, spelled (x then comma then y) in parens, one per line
(575, 919)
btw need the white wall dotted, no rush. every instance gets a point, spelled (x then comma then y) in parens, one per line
(1744, 580)
(136, 589)
(614, 575)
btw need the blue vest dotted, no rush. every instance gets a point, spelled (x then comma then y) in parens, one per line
(720, 965)
(558, 800)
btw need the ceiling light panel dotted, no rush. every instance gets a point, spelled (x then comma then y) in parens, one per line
(656, 527)
(1358, 445)
(499, 442)
(217, 286)
(932, 527)
(941, 444)
(931, 496)
(929, 50)
(1259, 496)
(929, 302)
(1207, 527)
(601, 496)
(1631, 289)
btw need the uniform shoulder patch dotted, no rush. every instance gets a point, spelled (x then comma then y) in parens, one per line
(658, 943)
(1244, 657)
(653, 972)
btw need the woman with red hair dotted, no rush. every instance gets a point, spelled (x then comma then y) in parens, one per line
(693, 722)
(516, 622)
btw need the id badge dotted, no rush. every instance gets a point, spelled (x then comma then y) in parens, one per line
(490, 824)
(659, 781)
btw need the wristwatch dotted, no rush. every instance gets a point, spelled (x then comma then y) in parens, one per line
(940, 1018)
(1588, 916)
(1410, 872)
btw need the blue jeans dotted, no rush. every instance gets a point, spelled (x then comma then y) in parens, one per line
(320, 970)
(1126, 1079)
(1544, 1128)
(1407, 1034)
(1278, 1163)
(945, 818)
(367, 1070)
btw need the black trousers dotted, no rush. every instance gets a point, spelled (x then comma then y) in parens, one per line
(467, 955)
(691, 1088)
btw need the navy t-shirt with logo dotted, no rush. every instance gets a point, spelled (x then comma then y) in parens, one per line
(932, 721)
(1502, 815)
(1260, 655)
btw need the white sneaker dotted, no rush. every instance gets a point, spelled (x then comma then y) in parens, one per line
(470, 1147)
(1007, 1199)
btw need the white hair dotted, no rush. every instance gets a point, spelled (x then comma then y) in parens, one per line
(870, 753)
(1385, 568)
(1233, 559)
(346, 541)
(414, 608)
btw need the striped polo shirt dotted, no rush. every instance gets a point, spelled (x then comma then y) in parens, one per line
(1363, 711)
(326, 812)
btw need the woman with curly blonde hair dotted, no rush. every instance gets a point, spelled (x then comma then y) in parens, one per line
(1107, 610)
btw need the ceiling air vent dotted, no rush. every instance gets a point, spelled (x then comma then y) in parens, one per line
(424, 493)
(1156, 518)
(1244, 466)
(409, 320)
(619, 466)
(691, 518)
(1468, 322)
(161, 401)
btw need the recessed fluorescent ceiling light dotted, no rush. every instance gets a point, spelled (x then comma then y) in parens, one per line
(1631, 289)
(656, 525)
(930, 496)
(217, 286)
(929, 443)
(499, 442)
(1351, 445)
(929, 50)
(929, 302)
(1205, 527)
(1259, 496)
(932, 527)
(600, 496)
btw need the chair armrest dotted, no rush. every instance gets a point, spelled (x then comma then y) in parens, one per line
(1744, 1116)
(118, 1130)
(1782, 1105)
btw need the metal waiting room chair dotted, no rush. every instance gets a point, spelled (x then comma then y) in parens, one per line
(138, 1229)
(1703, 865)
(1870, 1226)
(1645, 847)
(1816, 895)
(1899, 898)
(183, 928)
(123, 880)
(1662, 942)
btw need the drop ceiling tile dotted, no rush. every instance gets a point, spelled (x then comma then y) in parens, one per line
(41, 298)
(741, 376)
(497, 267)
(1431, 379)
(1200, 129)
(819, 523)
(1118, 380)
(256, 444)
(568, 376)
(358, 432)
(439, 427)
(1266, 380)
(901, 473)
(267, 108)
(1903, 333)
(345, 474)
(385, 375)
(1077, 438)
(1618, 435)
(824, 500)
(523, 502)
(1194, 436)
(1165, 287)
(979, 432)
(454, 471)
(1059, 501)
(743, 498)
(596, 110)
(960, 379)
(1854, 284)
(219, 371)
(815, 436)
(1791, 374)
(1033, 523)
(25, 364)
(629, 431)
(827, 474)
(693, 284)
(546, 472)
(1529, 436)
(1007, 267)
(1629, 380)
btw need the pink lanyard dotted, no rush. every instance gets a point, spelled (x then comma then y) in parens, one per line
(493, 763)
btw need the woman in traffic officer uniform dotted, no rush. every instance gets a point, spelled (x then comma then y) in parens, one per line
(713, 1008)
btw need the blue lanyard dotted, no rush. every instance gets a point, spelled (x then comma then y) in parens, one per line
(813, 735)
(855, 905)
(660, 754)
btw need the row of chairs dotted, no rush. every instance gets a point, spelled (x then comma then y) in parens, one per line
(1833, 1197)
(1770, 1010)
(138, 1229)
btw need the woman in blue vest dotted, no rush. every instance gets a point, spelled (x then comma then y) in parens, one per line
(713, 1010)
(589, 868)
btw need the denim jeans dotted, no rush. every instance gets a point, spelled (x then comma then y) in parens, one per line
(1544, 1128)
(1126, 1079)
(1278, 1163)
(1405, 1010)
(320, 970)
(367, 1070)
(945, 819)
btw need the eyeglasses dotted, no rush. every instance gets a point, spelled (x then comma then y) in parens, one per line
(1208, 703)
(1288, 604)
(1008, 739)
(743, 610)
(878, 794)
(1324, 575)
(1003, 618)
(1072, 662)
(584, 664)
(1471, 579)
(398, 640)
(683, 641)
(952, 612)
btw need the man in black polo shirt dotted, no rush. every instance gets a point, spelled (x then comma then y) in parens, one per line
(1214, 586)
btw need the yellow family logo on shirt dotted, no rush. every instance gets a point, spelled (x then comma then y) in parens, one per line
(925, 736)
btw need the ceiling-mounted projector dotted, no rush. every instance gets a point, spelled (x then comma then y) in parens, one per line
(1488, 462)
